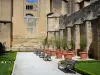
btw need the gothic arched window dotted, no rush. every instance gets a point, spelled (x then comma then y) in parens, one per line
(28, 14)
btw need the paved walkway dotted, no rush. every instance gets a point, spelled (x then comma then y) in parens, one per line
(27, 63)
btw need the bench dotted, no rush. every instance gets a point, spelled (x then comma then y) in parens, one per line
(67, 65)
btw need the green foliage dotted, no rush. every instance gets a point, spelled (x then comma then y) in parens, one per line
(2, 48)
(62, 62)
(91, 67)
(53, 42)
(83, 43)
(57, 43)
(49, 42)
(44, 42)
(72, 45)
(63, 43)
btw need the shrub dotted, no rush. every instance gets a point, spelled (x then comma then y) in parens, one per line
(83, 43)
(72, 45)
(2, 48)
(64, 43)
(57, 43)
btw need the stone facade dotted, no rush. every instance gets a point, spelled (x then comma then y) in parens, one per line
(5, 22)
(21, 25)
(26, 20)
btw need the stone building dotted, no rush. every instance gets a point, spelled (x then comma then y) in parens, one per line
(6, 22)
(23, 22)
(79, 19)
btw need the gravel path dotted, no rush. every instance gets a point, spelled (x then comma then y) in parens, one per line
(27, 63)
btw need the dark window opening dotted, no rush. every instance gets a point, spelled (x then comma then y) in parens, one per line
(29, 7)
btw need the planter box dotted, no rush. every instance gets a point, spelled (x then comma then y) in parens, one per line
(48, 51)
(72, 52)
(65, 55)
(53, 53)
(84, 55)
(70, 55)
(59, 54)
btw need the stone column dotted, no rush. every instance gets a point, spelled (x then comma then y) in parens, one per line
(49, 35)
(57, 34)
(61, 33)
(77, 37)
(88, 34)
(68, 33)
(64, 9)
(77, 7)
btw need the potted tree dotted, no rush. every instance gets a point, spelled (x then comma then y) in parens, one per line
(71, 51)
(49, 42)
(64, 46)
(58, 51)
(83, 44)
(53, 51)
(44, 43)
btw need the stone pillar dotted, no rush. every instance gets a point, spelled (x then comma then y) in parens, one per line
(77, 7)
(69, 34)
(88, 34)
(77, 37)
(57, 34)
(61, 33)
(64, 9)
(49, 35)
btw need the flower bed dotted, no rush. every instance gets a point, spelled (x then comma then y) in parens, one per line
(91, 67)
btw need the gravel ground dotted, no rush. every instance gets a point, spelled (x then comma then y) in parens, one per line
(27, 63)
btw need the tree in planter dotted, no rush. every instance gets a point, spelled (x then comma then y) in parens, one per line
(83, 45)
(49, 42)
(58, 52)
(44, 42)
(57, 43)
(72, 45)
(53, 51)
(63, 43)
(71, 51)
(53, 43)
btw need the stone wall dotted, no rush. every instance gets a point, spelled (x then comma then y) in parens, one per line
(5, 10)
(5, 33)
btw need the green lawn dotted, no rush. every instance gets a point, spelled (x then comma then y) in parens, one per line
(6, 68)
(6, 62)
(88, 68)
(8, 56)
